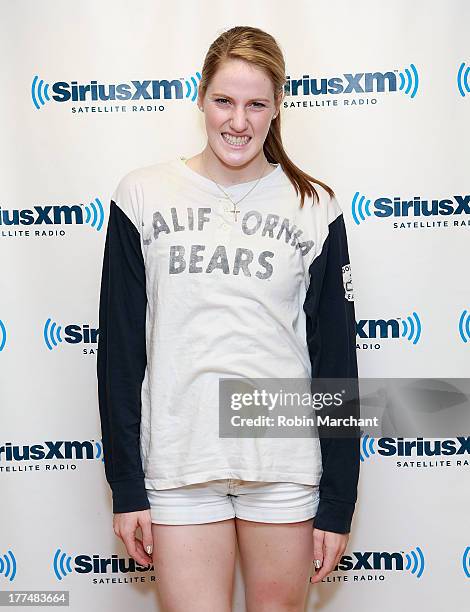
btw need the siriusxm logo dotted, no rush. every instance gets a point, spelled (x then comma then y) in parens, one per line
(62, 91)
(408, 328)
(77, 214)
(360, 82)
(58, 449)
(384, 207)
(417, 447)
(412, 562)
(73, 334)
(94, 564)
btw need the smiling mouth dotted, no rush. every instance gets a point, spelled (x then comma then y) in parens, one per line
(235, 141)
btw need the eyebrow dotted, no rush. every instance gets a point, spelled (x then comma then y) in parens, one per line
(222, 95)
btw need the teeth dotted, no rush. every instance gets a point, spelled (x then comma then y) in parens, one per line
(235, 141)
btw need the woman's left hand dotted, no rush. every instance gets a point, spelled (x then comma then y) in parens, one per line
(328, 547)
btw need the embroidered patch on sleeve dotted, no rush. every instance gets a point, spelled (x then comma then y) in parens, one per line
(347, 282)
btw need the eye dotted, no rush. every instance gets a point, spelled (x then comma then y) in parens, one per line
(223, 100)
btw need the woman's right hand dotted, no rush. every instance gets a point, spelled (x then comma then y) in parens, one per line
(125, 525)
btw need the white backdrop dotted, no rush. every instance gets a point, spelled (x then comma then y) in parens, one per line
(401, 134)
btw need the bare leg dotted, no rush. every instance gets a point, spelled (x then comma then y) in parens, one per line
(194, 566)
(276, 561)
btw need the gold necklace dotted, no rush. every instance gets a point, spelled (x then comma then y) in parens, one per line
(235, 211)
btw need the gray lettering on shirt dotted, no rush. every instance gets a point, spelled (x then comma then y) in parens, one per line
(194, 258)
(244, 258)
(246, 216)
(219, 260)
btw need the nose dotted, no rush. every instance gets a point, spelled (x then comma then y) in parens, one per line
(238, 119)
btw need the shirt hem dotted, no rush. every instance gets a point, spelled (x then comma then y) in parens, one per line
(240, 474)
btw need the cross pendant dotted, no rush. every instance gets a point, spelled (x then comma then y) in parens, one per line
(235, 211)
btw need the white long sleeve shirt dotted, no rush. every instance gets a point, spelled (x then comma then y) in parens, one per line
(191, 293)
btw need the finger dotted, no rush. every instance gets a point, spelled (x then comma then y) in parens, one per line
(318, 544)
(147, 538)
(339, 556)
(342, 548)
(143, 557)
(128, 537)
(329, 558)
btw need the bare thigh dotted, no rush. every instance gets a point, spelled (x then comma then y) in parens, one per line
(276, 561)
(194, 566)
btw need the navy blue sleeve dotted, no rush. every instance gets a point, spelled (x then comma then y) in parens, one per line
(331, 340)
(122, 360)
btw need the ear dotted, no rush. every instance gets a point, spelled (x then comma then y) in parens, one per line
(200, 101)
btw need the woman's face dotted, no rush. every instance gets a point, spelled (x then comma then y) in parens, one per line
(238, 104)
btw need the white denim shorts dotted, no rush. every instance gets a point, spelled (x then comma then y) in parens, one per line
(218, 500)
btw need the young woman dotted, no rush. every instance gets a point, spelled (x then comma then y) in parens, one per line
(213, 268)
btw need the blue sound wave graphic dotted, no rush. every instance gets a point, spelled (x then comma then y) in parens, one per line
(409, 81)
(360, 207)
(192, 87)
(412, 328)
(39, 92)
(99, 450)
(415, 562)
(463, 79)
(3, 335)
(95, 214)
(464, 326)
(8, 565)
(61, 564)
(367, 447)
(466, 562)
(51, 334)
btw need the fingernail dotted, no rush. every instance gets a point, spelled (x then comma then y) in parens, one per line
(149, 549)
